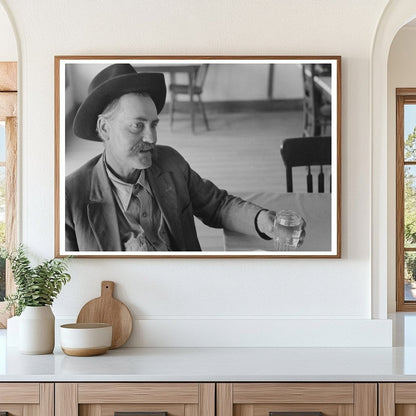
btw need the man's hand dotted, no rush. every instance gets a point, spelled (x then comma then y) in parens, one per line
(265, 223)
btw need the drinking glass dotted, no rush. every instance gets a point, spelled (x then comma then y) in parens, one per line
(287, 230)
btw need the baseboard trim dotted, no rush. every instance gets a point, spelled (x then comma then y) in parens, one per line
(239, 106)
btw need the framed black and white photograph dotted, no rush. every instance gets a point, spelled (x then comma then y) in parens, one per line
(198, 156)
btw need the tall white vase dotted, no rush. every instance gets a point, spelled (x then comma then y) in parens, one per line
(37, 330)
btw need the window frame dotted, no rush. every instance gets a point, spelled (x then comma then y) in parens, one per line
(403, 96)
(8, 113)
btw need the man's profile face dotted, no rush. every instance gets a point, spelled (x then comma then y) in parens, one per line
(131, 134)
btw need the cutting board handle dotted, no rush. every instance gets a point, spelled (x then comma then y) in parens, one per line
(107, 289)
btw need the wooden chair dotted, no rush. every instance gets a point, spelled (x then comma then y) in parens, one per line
(306, 151)
(317, 113)
(192, 89)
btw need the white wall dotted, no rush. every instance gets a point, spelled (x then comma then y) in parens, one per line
(401, 74)
(8, 46)
(203, 302)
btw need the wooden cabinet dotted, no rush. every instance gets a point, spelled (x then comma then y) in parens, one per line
(208, 399)
(105, 399)
(397, 399)
(332, 399)
(222, 399)
(27, 399)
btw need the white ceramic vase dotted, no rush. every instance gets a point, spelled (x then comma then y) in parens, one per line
(12, 334)
(37, 330)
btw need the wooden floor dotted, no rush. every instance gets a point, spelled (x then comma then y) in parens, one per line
(241, 152)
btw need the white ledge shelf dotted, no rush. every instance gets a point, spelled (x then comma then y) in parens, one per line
(215, 365)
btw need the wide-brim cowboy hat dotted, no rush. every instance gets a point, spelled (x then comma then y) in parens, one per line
(109, 84)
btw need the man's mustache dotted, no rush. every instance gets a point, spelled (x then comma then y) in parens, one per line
(146, 148)
(143, 147)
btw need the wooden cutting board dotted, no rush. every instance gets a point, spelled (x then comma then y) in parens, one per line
(108, 310)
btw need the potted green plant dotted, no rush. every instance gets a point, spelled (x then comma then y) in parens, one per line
(36, 289)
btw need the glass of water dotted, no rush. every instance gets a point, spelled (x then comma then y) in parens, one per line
(287, 230)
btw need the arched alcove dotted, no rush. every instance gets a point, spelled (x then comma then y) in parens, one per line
(401, 73)
(396, 15)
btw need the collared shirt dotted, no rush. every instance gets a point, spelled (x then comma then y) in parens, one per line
(140, 220)
(124, 190)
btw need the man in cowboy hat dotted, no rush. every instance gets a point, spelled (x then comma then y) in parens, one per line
(136, 195)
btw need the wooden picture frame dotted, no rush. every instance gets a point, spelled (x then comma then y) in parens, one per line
(230, 132)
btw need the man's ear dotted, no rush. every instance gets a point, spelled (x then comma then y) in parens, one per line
(103, 128)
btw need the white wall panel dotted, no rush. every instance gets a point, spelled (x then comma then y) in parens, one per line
(278, 288)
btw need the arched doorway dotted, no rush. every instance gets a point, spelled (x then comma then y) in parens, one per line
(396, 15)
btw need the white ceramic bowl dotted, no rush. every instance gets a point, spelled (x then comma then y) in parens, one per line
(85, 339)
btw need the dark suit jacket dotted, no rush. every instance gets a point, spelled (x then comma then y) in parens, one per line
(90, 210)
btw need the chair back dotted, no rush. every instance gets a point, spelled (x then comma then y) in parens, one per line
(306, 151)
(201, 75)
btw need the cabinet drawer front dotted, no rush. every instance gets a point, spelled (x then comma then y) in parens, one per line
(341, 393)
(138, 393)
(19, 393)
(405, 393)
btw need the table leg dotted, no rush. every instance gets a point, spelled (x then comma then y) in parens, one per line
(191, 99)
(270, 83)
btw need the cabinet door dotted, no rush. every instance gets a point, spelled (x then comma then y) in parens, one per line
(397, 399)
(142, 399)
(297, 399)
(26, 399)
